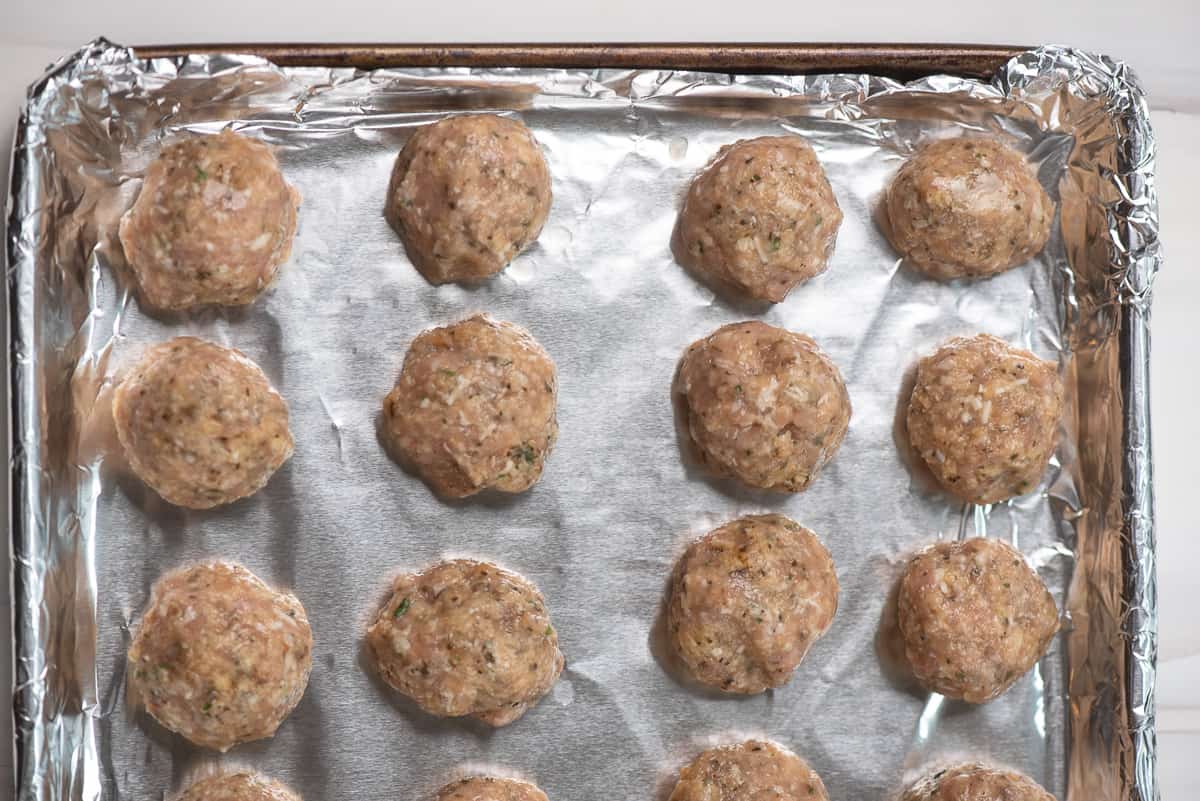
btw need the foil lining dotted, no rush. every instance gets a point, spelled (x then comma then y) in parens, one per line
(617, 503)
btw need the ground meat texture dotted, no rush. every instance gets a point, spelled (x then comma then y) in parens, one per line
(972, 782)
(474, 408)
(467, 195)
(490, 788)
(761, 218)
(200, 424)
(751, 771)
(467, 638)
(968, 208)
(242, 785)
(748, 600)
(213, 222)
(219, 657)
(984, 417)
(974, 617)
(763, 405)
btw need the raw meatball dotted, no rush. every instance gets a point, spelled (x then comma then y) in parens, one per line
(200, 424)
(748, 600)
(750, 771)
(213, 222)
(242, 785)
(976, 783)
(761, 218)
(763, 405)
(974, 616)
(219, 657)
(968, 208)
(467, 638)
(467, 195)
(474, 408)
(984, 416)
(490, 788)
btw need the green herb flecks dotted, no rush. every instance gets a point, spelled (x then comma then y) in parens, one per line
(775, 240)
(524, 451)
(401, 608)
(448, 373)
(549, 630)
(201, 175)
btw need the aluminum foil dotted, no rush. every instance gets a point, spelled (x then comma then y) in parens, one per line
(600, 532)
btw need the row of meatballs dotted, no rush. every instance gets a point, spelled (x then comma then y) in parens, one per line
(747, 771)
(215, 218)
(221, 658)
(475, 408)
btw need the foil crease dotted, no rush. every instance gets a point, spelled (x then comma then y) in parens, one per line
(617, 502)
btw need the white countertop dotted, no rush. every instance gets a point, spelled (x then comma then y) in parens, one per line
(1157, 37)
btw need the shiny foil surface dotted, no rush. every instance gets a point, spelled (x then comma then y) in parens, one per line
(620, 497)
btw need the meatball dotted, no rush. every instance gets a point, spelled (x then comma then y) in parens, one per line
(474, 408)
(490, 788)
(970, 782)
(748, 600)
(467, 638)
(749, 771)
(200, 424)
(974, 617)
(219, 657)
(242, 785)
(968, 208)
(761, 218)
(467, 195)
(984, 417)
(213, 222)
(763, 405)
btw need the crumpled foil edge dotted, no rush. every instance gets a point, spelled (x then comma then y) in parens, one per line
(1135, 255)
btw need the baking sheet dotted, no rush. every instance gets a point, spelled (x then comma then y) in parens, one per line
(618, 501)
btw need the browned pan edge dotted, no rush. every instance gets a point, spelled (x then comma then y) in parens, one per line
(905, 61)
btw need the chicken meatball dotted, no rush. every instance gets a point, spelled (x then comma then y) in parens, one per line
(213, 222)
(968, 208)
(970, 782)
(242, 785)
(467, 195)
(200, 424)
(984, 417)
(748, 600)
(761, 218)
(467, 638)
(219, 657)
(974, 617)
(474, 408)
(751, 771)
(490, 788)
(763, 405)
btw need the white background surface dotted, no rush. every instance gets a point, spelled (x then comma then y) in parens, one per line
(1159, 38)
